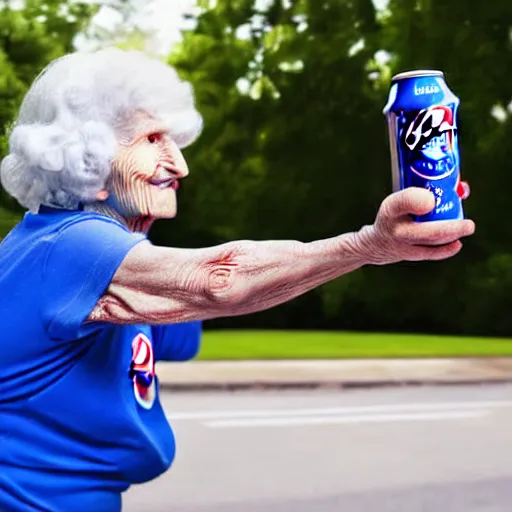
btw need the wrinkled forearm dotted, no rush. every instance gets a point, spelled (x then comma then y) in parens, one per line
(160, 285)
(260, 275)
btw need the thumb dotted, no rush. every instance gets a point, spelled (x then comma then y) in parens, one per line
(411, 201)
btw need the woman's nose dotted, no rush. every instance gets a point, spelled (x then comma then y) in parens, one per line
(180, 164)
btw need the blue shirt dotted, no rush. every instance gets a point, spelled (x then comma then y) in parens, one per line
(80, 418)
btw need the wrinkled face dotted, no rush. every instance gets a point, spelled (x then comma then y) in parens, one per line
(146, 170)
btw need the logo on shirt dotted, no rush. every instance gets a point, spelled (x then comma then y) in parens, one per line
(142, 371)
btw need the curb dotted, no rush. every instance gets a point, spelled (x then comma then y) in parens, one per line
(230, 386)
(254, 375)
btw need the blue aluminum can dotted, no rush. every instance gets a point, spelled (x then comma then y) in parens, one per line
(422, 121)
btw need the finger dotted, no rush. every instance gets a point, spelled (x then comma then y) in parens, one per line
(464, 190)
(411, 201)
(418, 253)
(433, 233)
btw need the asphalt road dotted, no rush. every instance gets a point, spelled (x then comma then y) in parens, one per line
(442, 449)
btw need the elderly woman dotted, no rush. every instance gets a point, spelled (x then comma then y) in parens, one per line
(89, 304)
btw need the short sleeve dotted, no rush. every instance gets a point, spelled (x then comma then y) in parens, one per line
(79, 266)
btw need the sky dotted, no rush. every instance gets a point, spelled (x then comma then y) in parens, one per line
(165, 18)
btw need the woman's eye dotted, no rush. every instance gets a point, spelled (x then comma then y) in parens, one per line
(153, 138)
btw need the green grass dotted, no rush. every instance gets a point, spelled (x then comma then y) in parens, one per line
(235, 345)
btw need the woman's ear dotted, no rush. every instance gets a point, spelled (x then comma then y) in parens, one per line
(102, 195)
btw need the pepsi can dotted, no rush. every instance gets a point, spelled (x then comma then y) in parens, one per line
(422, 121)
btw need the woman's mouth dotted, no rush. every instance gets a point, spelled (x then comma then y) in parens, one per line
(162, 183)
(165, 177)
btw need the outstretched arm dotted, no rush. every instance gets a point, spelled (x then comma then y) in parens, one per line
(160, 285)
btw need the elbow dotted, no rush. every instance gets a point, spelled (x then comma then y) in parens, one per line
(191, 352)
(231, 273)
(224, 288)
(190, 349)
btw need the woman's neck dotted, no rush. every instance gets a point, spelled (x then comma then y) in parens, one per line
(139, 224)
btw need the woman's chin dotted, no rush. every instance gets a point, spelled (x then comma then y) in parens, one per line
(165, 212)
(165, 206)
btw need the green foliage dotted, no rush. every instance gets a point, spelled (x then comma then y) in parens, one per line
(285, 134)
(30, 38)
(471, 42)
(301, 150)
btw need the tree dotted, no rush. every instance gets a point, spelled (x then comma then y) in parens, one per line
(291, 107)
(300, 151)
(30, 37)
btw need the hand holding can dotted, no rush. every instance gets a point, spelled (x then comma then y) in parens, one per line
(394, 236)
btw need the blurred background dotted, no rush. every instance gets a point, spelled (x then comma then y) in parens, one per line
(295, 144)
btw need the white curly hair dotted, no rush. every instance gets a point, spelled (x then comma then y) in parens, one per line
(63, 142)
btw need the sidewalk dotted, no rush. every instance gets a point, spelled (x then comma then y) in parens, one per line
(238, 375)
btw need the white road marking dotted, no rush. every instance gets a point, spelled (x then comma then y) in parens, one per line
(337, 411)
(355, 419)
